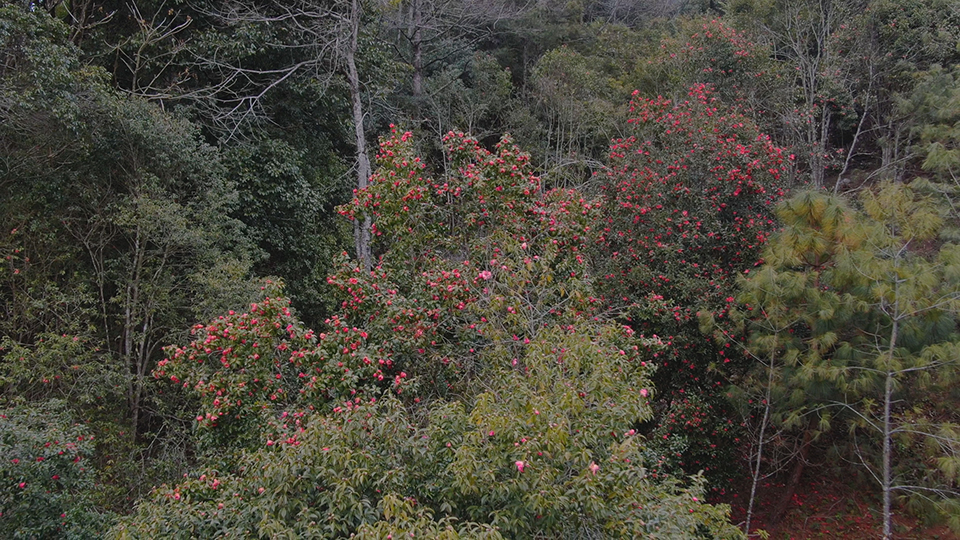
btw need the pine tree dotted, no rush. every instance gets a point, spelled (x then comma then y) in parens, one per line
(868, 299)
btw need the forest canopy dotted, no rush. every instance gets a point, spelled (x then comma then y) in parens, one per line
(449, 268)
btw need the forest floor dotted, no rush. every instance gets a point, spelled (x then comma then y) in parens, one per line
(826, 508)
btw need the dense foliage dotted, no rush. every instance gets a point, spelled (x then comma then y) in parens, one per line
(47, 481)
(688, 209)
(484, 388)
(834, 271)
(553, 343)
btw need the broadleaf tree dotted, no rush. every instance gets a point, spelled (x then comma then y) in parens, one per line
(471, 373)
(688, 202)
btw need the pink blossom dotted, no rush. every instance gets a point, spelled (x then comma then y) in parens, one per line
(643, 392)
(485, 275)
(594, 467)
(520, 465)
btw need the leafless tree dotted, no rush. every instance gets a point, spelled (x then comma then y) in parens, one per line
(323, 39)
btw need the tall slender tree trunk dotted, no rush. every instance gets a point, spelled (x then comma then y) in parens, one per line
(416, 21)
(887, 404)
(887, 474)
(131, 360)
(891, 147)
(361, 227)
(759, 455)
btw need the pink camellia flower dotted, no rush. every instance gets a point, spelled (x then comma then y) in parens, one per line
(594, 467)
(643, 392)
(520, 465)
(486, 274)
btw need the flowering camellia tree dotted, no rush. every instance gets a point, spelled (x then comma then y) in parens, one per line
(46, 478)
(244, 369)
(711, 51)
(688, 208)
(475, 388)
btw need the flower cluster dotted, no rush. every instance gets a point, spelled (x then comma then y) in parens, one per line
(251, 369)
(242, 361)
(689, 207)
(467, 259)
(523, 397)
(710, 51)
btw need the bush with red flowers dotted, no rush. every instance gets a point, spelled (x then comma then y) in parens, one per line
(689, 199)
(508, 401)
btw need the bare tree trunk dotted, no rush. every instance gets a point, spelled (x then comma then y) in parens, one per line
(361, 228)
(763, 428)
(794, 480)
(416, 20)
(891, 149)
(887, 480)
(131, 300)
(887, 402)
(804, 29)
(856, 135)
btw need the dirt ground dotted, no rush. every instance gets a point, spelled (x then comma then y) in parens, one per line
(825, 508)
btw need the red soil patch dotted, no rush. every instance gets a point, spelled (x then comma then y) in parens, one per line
(825, 508)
